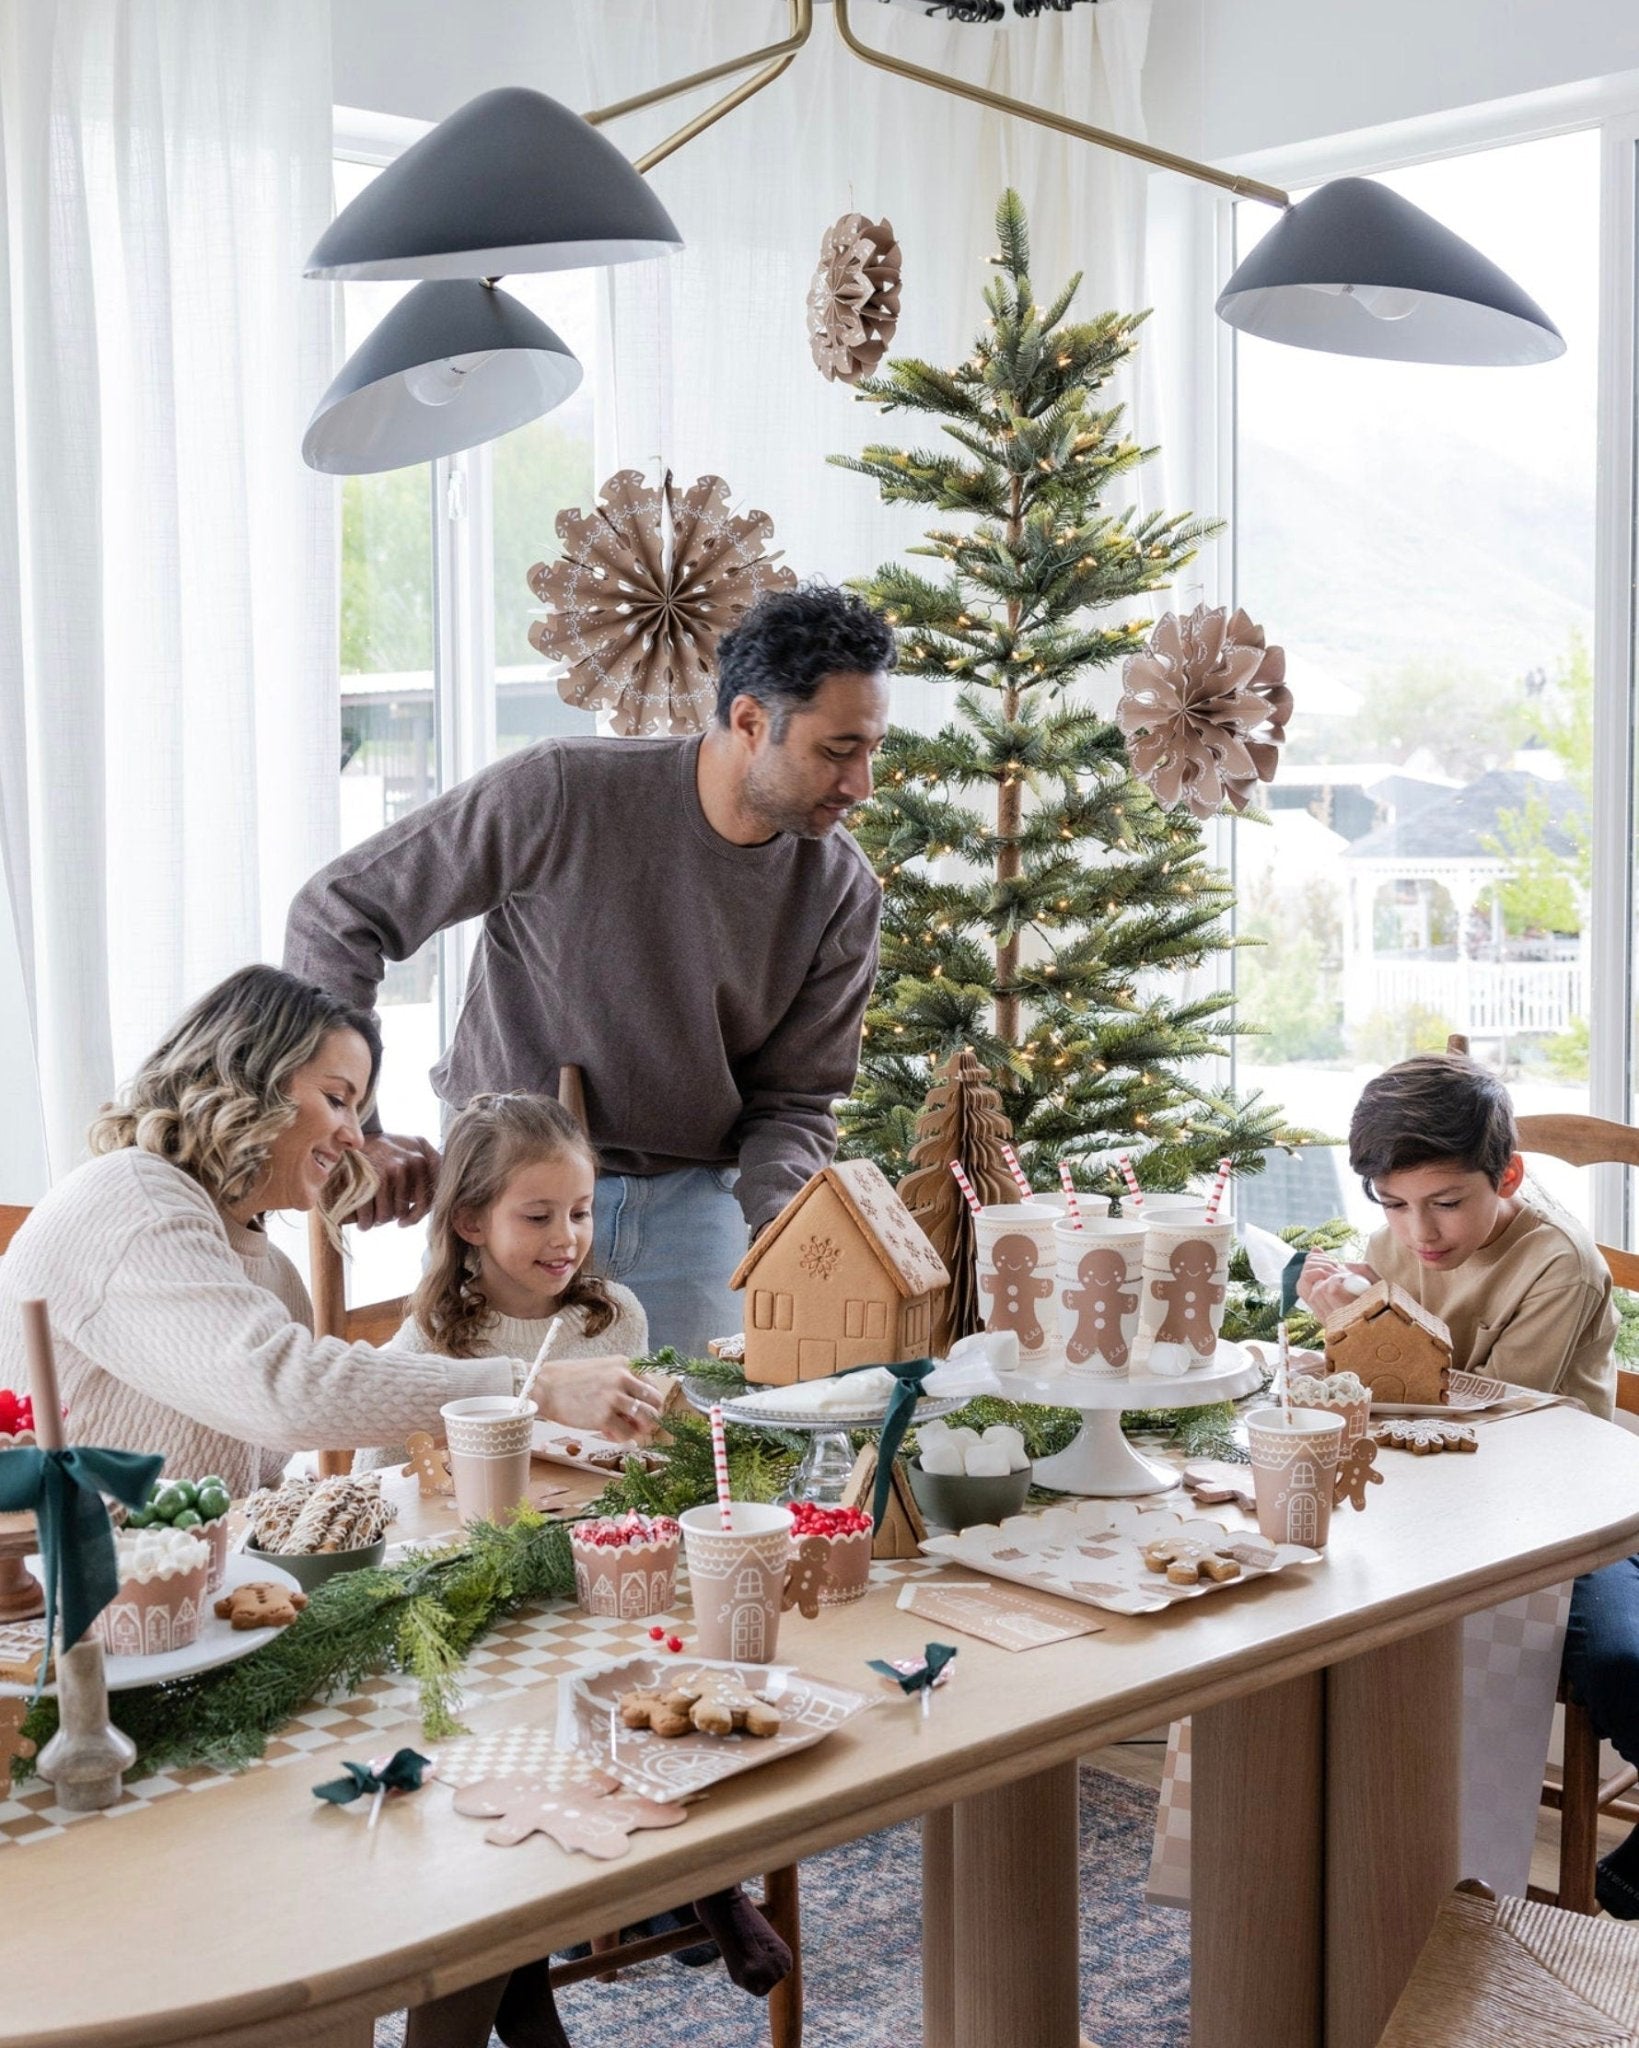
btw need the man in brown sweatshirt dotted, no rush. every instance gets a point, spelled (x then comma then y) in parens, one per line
(682, 919)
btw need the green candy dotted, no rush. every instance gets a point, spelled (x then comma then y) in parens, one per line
(213, 1502)
(190, 1518)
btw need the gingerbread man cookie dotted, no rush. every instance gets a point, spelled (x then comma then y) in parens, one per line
(260, 1604)
(806, 1576)
(1014, 1289)
(1100, 1307)
(1190, 1297)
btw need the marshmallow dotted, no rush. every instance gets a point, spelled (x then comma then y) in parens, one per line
(942, 1458)
(929, 1432)
(1017, 1457)
(1170, 1361)
(1002, 1349)
(1003, 1433)
(964, 1438)
(989, 1461)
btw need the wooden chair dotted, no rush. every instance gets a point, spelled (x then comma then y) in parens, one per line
(375, 1323)
(11, 1221)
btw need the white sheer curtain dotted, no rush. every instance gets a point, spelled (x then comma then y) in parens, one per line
(167, 567)
(709, 350)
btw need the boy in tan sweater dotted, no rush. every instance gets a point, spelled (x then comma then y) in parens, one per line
(1519, 1283)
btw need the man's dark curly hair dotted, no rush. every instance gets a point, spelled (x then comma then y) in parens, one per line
(791, 640)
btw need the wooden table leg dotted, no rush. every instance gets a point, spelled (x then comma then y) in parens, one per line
(1014, 1914)
(1257, 1787)
(938, 1934)
(1393, 1800)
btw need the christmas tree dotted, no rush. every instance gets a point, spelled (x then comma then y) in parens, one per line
(1070, 901)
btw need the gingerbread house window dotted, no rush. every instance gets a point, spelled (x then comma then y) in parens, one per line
(762, 1309)
(853, 1319)
(783, 1312)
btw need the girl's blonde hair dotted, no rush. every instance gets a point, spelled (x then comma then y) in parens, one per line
(485, 1145)
(215, 1092)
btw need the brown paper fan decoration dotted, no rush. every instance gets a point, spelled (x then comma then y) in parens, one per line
(853, 302)
(1204, 706)
(648, 583)
(961, 1118)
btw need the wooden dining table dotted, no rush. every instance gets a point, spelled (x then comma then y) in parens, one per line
(1326, 1706)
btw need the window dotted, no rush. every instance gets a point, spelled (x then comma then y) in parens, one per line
(1421, 540)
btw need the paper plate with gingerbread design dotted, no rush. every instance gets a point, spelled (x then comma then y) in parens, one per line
(613, 1714)
(1467, 1393)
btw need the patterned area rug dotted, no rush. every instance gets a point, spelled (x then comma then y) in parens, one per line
(861, 1953)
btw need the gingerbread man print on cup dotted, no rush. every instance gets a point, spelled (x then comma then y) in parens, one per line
(1015, 1288)
(1190, 1296)
(1102, 1309)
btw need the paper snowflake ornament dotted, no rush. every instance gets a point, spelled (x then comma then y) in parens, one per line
(853, 302)
(648, 583)
(1204, 706)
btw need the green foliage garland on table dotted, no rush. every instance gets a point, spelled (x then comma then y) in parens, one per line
(1077, 899)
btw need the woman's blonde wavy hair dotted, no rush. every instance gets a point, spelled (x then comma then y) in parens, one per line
(214, 1094)
(485, 1145)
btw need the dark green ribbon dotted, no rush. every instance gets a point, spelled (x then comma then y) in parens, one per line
(909, 1373)
(65, 1489)
(1289, 1276)
(935, 1656)
(402, 1772)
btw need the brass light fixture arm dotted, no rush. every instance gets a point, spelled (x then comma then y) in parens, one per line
(774, 58)
(1044, 117)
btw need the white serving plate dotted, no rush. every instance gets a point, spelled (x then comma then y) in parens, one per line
(1092, 1552)
(593, 1453)
(762, 1406)
(218, 1642)
(1470, 1393)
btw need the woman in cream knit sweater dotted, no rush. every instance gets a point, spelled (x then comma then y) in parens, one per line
(178, 1328)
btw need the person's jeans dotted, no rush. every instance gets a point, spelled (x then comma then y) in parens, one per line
(1602, 1668)
(674, 1239)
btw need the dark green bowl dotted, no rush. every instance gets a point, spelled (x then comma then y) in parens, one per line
(956, 1501)
(313, 1569)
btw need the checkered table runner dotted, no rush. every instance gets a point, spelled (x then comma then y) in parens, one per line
(522, 1653)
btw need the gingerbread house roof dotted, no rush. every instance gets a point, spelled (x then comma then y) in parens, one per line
(1386, 1296)
(884, 1222)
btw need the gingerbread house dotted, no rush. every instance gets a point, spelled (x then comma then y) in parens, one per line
(843, 1276)
(1400, 1350)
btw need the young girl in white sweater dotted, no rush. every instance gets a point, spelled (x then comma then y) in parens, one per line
(508, 1241)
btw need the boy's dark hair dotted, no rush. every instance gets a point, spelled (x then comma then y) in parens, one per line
(791, 640)
(1436, 1108)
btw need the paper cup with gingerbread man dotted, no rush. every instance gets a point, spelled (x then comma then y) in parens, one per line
(1100, 1283)
(1186, 1281)
(1015, 1256)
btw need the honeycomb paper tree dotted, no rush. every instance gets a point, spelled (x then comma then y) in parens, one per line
(962, 1119)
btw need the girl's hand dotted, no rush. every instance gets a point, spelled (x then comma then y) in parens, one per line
(599, 1393)
(1326, 1285)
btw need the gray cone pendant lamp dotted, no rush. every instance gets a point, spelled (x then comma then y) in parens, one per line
(1356, 270)
(510, 182)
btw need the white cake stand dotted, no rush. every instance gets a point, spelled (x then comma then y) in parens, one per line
(1100, 1462)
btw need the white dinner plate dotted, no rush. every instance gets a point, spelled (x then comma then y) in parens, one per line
(218, 1642)
(1467, 1393)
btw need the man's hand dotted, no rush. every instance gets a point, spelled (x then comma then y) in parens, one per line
(1325, 1284)
(406, 1171)
(602, 1394)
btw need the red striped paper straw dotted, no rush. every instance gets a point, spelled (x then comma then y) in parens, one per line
(1011, 1159)
(1131, 1179)
(966, 1186)
(1217, 1193)
(1070, 1201)
(719, 1458)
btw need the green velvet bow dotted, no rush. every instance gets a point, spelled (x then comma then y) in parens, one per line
(921, 1677)
(402, 1772)
(909, 1374)
(65, 1489)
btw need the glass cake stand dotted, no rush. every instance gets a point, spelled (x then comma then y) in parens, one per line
(828, 1457)
(1099, 1462)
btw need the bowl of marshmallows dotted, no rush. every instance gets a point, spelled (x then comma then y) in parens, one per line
(960, 1477)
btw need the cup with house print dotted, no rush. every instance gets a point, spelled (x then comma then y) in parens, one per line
(1343, 1392)
(1294, 1471)
(489, 1437)
(1100, 1281)
(625, 1565)
(1185, 1284)
(1015, 1254)
(160, 1604)
(737, 1578)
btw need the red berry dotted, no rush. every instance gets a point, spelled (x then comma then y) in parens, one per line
(657, 1635)
(674, 1643)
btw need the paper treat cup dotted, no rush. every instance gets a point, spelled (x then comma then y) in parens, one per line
(216, 1535)
(1100, 1284)
(1186, 1274)
(847, 1567)
(1014, 1255)
(737, 1579)
(1309, 1392)
(1294, 1468)
(148, 1618)
(489, 1437)
(628, 1583)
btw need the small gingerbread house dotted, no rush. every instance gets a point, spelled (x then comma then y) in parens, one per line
(843, 1276)
(1400, 1350)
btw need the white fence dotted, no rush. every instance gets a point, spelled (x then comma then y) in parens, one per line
(1481, 998)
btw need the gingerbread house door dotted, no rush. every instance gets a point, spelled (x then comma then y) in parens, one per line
(816, 1358)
